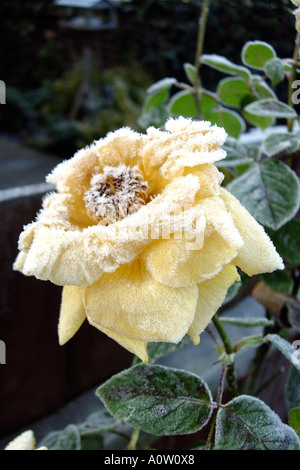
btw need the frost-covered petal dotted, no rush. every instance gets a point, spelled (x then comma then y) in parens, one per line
(184, 143)
(132, 303)
(73, 176)
(25, 441)
(72, 312)
(211, 296)
(55, 249)
(172, 263)
(258, 254)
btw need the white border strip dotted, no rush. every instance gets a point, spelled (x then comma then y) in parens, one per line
(28, 190)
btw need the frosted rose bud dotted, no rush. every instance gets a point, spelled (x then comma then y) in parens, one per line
(142, 236)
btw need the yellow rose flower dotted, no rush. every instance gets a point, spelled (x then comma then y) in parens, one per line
(142, 236)
(25, 441)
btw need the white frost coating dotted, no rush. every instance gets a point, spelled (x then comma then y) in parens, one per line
(260, 428)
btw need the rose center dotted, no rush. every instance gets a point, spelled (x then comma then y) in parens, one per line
(115, 194)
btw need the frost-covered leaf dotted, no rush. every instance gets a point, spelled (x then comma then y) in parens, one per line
(292, 389)
(294, 420)
(248, 342)
(157, 399)
(190, 71)
(286, 348)
(271, 108)
(258, 121)
(274, 69)
(270, 191)
(161, 349)
(67, 439)
(222, 64)
(232, 91)
(156, 117)
(281, 142)
(246, 322)
(98, 422)
(230, 120)
(261, 89)
(158, 93)
(256, 53)
(207, 101)
(280, 281)
(287, 241)
(247, 423)
(183, 104)
(237, 153)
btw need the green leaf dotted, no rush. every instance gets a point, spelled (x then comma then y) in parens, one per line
(280, 142)
(92, 442)
(161, 349)
(256, 53)
(222, 64)
(292, 389)
(281, 281)
(248, 342)
(247, 423)
(67, 439)
(294, 420)
(247, 322)
(207, 101)
(98, 422)
(287, 241)
(158, 93)
(237, 153)
(270, 191)
(258, 121)
(157, 399)
(271, 108)
(291, 353)
(232, 91)
(230, 120)
(261, 89)
(190, 71)
(274, 69)
(183, 104)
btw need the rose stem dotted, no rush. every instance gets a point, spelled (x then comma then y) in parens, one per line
(231, 376)
(199, 50)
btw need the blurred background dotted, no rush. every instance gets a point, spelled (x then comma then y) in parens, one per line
(73, 71)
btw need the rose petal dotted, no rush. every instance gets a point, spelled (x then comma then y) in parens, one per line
(258, 254)
(211, 296)
(172, 264)
(132, 303)
(72, 313)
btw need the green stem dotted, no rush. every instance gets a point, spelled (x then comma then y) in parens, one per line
(199, 49)
(218, 402)
(133, 440)
(231, 375)
(292, 79)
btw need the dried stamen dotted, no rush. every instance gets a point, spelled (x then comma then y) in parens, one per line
(115, 194)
